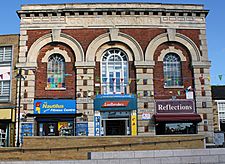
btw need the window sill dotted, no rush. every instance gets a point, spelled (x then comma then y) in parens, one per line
(55, 89)
(170, 87)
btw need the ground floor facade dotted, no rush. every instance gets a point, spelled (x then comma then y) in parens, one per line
(7, 127)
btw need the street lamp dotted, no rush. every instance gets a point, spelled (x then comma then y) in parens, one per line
(19, 76)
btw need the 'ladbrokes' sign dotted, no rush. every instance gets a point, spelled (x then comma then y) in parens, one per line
(174, 106)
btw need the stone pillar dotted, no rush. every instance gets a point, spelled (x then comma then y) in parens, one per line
(145, 97)
(204, 100)
(85, 92)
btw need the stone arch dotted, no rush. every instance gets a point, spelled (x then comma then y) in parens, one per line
(180, 38)
(173, 50)
(63, 38)
(56, 50)
(120, 37)
(105, 47)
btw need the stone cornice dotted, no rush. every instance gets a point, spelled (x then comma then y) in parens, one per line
(112, 9)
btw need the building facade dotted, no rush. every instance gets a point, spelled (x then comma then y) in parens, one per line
(218, 97)
(115, 69)
(8, 59)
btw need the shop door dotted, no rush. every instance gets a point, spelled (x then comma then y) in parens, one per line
(48, 129)
(115, 127)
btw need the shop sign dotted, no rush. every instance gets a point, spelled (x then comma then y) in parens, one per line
(146, 116)
(97, 125)
(115, 104)
(134, 125)
(54, 106)
(174, 106)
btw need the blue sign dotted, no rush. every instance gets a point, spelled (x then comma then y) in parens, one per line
(82, 129)
(97, 125)
(54, 106)
(115, 102)
(26, 130)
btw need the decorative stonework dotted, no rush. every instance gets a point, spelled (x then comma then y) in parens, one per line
(171, 50)
(56, 50)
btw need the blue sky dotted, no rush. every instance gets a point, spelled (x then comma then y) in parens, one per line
(215, 25)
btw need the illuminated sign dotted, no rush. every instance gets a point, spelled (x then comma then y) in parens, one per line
(54, 106)
(115, 104)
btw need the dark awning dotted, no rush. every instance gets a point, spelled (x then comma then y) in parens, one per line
(178, 117)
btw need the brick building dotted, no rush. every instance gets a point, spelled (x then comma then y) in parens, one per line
(115, 69)
(8, 59)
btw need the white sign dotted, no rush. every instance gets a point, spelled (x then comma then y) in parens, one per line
(146, 116)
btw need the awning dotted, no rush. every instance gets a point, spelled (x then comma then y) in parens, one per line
(193, 117)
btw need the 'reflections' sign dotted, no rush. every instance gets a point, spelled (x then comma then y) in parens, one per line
(54, 106)
(174, 106)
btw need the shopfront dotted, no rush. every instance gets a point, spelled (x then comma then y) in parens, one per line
(55, 117)
(176, 117)
(7, 127)
(115, 115)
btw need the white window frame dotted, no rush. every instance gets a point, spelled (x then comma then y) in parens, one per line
(109, 67)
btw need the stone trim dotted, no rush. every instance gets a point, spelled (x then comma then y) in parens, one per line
(180, 38)
(173, 50)
(56, 50)
(64, 38)
(105, 38)
(105, 47)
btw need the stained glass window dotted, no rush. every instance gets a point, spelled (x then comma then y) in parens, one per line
(56, 71)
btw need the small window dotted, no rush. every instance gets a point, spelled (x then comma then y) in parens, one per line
(56, 71)
(145, 104)
(172, 70)
(6, 54)
(4, 91)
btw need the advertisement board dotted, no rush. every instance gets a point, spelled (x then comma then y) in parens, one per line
(54, 106)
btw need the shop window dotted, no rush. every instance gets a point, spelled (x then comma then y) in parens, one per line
(5, 54)
(172, 70)
(176, 128)
(4, 90)
(56, 71)
(114, 72)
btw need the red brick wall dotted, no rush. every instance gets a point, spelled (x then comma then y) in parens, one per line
(143, 36)
(166, 93)
(33, 35)
(41, 75)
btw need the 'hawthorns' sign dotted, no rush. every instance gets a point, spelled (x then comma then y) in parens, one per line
(174, 106)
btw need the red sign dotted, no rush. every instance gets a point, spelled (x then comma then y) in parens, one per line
(115, 104)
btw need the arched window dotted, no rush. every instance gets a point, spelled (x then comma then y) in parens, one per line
(114, 72)
(56, 71)
(172, 70)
